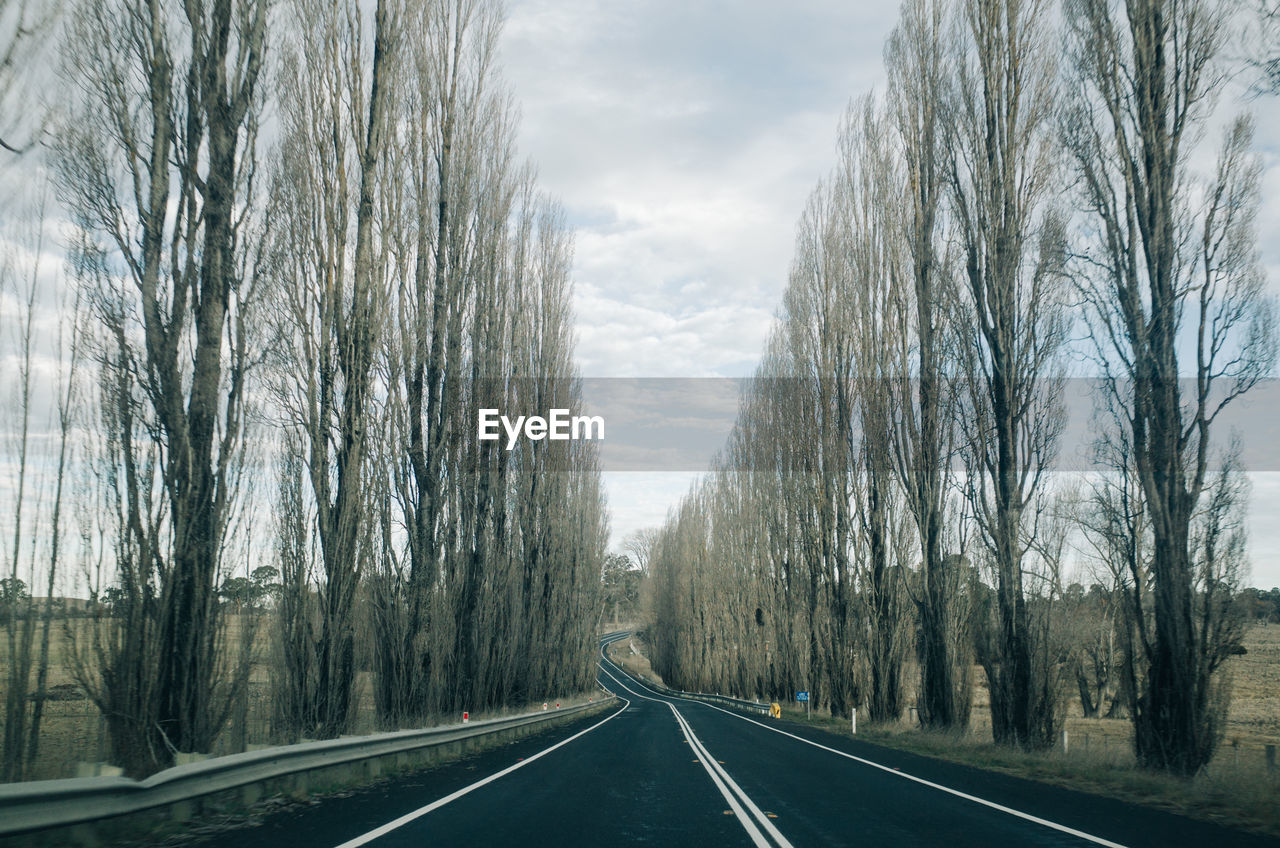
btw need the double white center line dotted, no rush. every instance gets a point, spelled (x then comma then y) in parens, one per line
(729, 788)
(742, 806)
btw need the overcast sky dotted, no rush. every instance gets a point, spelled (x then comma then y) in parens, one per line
(683, 139)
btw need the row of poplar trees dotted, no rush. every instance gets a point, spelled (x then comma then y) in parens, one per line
(307, 253)
(887, 514)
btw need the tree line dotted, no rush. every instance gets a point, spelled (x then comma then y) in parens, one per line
(1021, 200)
(304, 252)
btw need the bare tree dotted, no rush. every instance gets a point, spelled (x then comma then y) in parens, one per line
(42, 415)
(1001, 171)
(446, 131)
(867, 175)
(27, 30)
(158, 163)
(488, 564)
(19, 611)
(1167, 276)
(295, 685)
(922, 405)
(1089, 625)
(337, 95)
(1263, 41)
(70, 355)
(639, 545)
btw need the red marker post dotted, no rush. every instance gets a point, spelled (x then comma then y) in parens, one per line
(466, 716)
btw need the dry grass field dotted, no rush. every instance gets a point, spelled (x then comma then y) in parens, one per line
(1253, 721)
(73, 734)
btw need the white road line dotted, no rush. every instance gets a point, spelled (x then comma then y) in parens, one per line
(435, 805)
(1097, 840)
(709, 762)
(727, 785)
(757, 838)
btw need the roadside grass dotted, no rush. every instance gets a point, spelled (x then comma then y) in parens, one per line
(1243, 796)
(630, 654)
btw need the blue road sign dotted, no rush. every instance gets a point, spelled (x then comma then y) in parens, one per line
(802, 696)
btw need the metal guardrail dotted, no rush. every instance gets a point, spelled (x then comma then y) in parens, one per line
(42, 804)
(737, 703)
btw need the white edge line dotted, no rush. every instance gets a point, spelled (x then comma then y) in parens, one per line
(435, 805)
(1098, 840)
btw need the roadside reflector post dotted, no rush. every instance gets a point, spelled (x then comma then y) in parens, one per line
(544, 705)
(466, 716)
(854, 722)
(1066, 741)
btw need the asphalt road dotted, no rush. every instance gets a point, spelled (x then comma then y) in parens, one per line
(664, 771)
